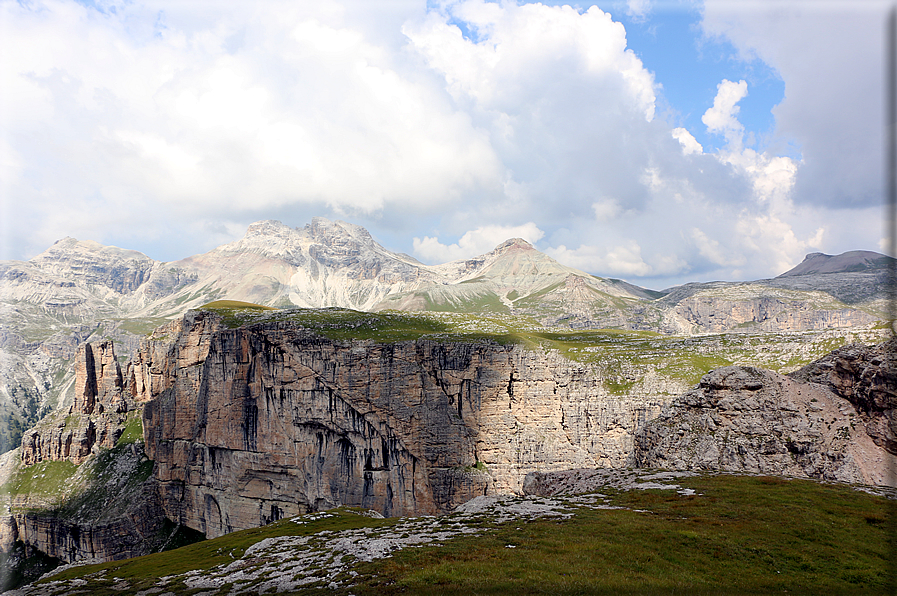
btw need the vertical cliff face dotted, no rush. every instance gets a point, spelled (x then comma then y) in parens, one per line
(248, 425)
(95, 420)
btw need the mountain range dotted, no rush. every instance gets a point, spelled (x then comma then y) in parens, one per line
(77, 291)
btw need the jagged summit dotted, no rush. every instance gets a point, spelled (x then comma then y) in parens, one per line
(851, 261)
(514, 244)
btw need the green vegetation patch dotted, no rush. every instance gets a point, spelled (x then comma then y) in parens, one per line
(735, 535)
(739, 535)
(133, 431)
(234, 304)
(144, 572)
(110, 481)
(43, 479)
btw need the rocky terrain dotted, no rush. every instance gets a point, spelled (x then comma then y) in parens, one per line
(833, 419)
(327, 558)
(78, 291)
(252, 424)
(79, 487)
(216, 426)
(136, 424)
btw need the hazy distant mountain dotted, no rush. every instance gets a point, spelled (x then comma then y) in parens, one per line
(848, 262)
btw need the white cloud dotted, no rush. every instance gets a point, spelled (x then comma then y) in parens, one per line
(473, 243)
(689, 143)
(711, 250)
(776, 241)
(830, 55)
(638, 9)
(624, 260)
(166, 126)
(305, 111)
(722, 118)
(606, 209)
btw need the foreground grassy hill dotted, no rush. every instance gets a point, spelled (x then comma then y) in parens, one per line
(705, 535)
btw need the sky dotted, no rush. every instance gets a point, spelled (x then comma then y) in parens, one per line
(656, 142)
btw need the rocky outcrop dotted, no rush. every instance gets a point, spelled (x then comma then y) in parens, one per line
(95, 420)
(867, 378)
(710, 312)
(108, 509)
(139, 531)
(744, 419)
(248, 425)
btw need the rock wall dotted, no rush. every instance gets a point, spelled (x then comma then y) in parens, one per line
(96, 418)
(252, 424)
(704, 313)
(867, 378)
(744, 419)
(137, 533)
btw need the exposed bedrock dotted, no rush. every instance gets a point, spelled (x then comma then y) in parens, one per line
(251, 424)
(139, 531)
(744, 419)
(866, 376)
(711, 313)
(96, 418)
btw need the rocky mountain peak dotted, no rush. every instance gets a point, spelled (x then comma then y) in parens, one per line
(90, 263)
(70, 248)
(325, 231)
(268, 227)
(513, 244)
(851, 261)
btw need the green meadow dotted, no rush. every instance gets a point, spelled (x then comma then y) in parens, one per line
(735, 535)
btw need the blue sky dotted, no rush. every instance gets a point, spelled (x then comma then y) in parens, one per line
(654, 142)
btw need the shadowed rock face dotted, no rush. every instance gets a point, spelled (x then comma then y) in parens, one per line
(252, 424)
(744, 419)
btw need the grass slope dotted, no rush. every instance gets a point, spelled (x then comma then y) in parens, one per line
(737, 534)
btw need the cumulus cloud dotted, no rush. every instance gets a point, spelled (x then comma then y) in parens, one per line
(473, 243)
(638, 9)
(722, 118)
(304, 110)
(775, 239)
(606, 209)
(552, 87)
(711, 249)
(830, 55)
(167, 126)
(624, 260)
(689, 143)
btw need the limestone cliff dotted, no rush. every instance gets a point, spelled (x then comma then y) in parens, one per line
(867, 378)
(251, 424)
(78, 491)
(95, 420)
